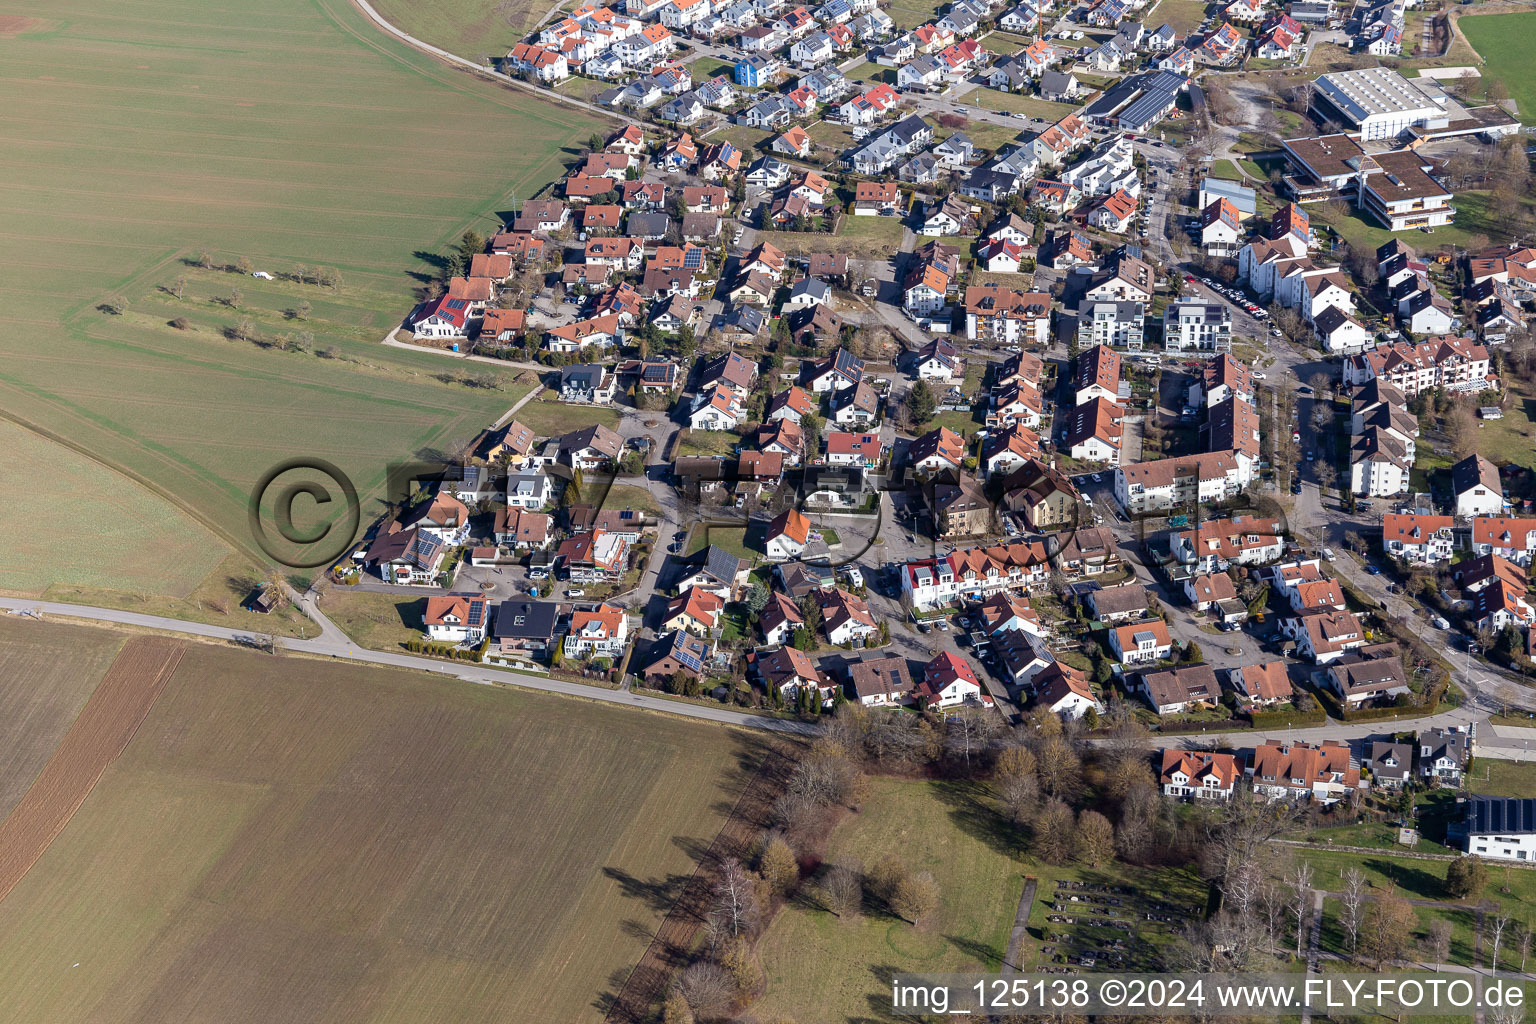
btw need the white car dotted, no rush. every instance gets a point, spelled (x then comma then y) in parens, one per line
(1256, 375)
(576, 592)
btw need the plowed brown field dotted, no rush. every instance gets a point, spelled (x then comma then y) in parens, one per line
(104, 727)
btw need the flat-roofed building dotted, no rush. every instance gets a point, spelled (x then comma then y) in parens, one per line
(1378, 102)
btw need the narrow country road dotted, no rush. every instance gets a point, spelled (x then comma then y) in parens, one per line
(333, 644)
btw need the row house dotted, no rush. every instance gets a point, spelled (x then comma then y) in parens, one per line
(1420, 539)
(1164, 484)
(1199, 775)
(1509, 538)
(1008, 316)
(1325, 773)
(1218, 543)
(974, 574)
(1456, 364)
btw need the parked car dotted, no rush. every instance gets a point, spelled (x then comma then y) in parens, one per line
(1373, 570)
(1257, 375)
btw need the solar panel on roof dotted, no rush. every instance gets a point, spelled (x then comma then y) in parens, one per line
(476, 612)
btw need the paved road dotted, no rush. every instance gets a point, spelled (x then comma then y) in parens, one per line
(332, 644)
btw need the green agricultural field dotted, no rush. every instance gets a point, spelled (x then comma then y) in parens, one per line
(335, 842)
(289, 133)
(1505, 41)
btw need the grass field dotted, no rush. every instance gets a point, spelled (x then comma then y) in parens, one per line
(289, 133)
(381, 621)
(1015, 103)
(46, 676)
(1504, 42)
(821, 968)
(709, 442)
(549, 418)
(1502, 778)
(879, 230)
(469, 28)
(1472, 218)
(632, 496)
(303, 841)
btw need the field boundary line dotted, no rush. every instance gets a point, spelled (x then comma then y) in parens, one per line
(96, 738)
(678, 931)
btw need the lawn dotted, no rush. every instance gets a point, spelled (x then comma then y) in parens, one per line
(385, 622)
(1424, 879)
(631, 496)
(709, 442)
(1504, 42)
(1017, 103)
(547, 417)
(1472, 218)
(47, 673)
(912, 13)
(218, 600)
(878, 230)
(287, 133)
(821, 968)
(726, 538)
(1226, 170)
(325, 841)
(1005, 44)
(1502, 778)
(1183, 15)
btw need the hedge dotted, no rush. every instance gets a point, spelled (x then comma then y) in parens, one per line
(1282, 719)
(451, 651)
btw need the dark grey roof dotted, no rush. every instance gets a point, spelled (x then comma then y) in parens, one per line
(880, 676)
(526, 620)
(646, 224)
(1501, 815)
(583, 375)
(720, 564)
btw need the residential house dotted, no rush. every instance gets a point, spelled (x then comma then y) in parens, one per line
(456, 619)
(1178, 690)
(1264, 684)
(1373, 675)
(1325, 773)
(1199, 775)
(880, 682)
(1142, 642)
(695, 611)
(601, 632)
(526, 630)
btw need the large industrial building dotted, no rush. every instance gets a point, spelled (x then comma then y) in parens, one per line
(1378, 103)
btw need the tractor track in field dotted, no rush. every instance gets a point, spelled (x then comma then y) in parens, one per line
(97, 736)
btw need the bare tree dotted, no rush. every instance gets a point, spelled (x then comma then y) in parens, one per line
(1499, 924)
(244, 266)
(967, 731)
(1385, 927)
(736, 910)
(708, 989)
(842, 891)
(178, 286)
(1053, 832)
(1058, 766)
(915, 897)
(1437, 942)
(778, 865)
(1095, 839)
(1352, 900)
(1301, 899)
